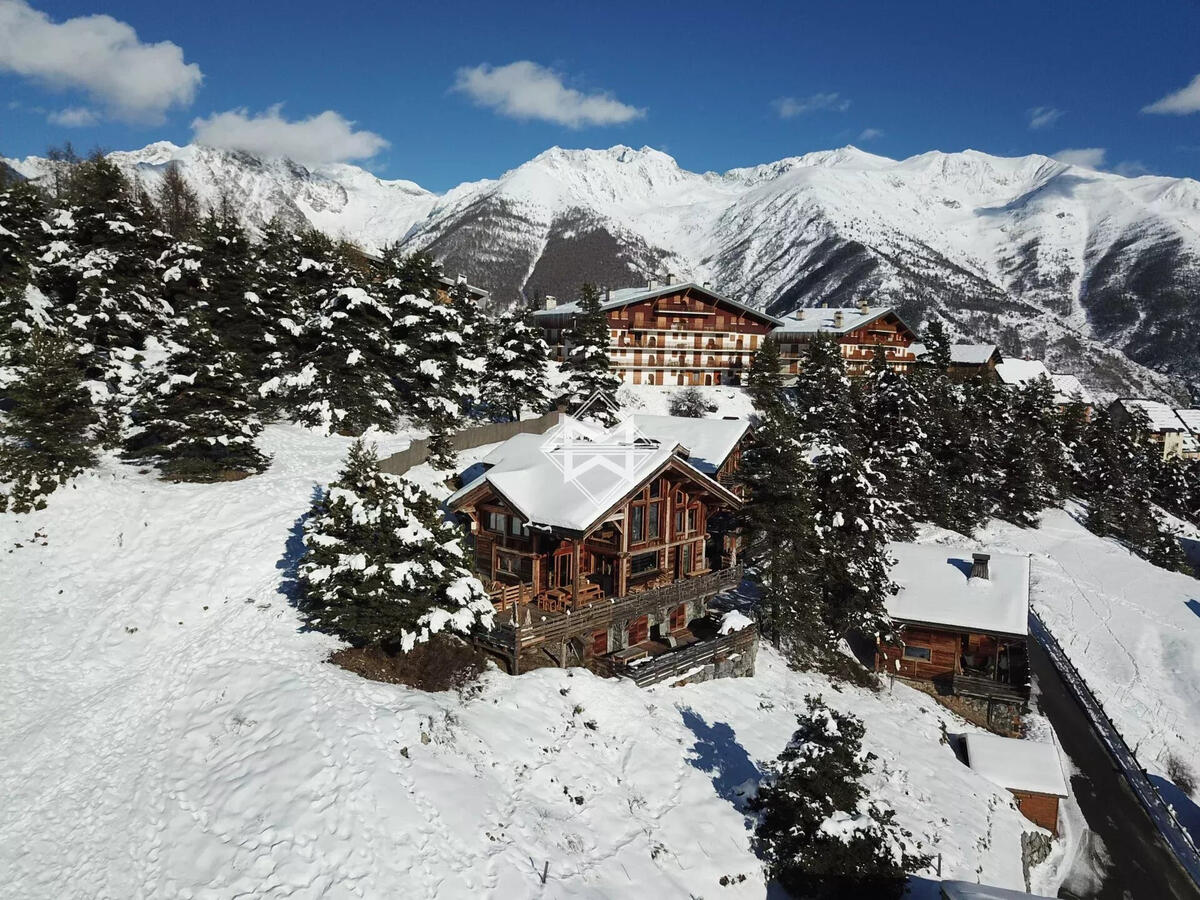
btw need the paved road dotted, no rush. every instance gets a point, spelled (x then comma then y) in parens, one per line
(1143, 865)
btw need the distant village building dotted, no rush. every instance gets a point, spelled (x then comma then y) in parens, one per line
(604, 549)
(1164, 425)
(967, 361)
(858, 331)
(962, 623)
(686, 333)
(1068, 389)
(1030, 770)
(672, 334)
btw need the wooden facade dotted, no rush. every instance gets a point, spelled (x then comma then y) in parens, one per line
(683, 334)
(634, 584)
(883, 328)
(974, 664)
(1041, 809)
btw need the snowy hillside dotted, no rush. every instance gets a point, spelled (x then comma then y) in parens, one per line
(170, 731)
(1085, 268)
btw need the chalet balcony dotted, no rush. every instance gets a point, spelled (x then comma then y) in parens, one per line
(527, 621)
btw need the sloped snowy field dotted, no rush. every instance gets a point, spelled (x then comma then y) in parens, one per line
(1131, 628)
(169, 731)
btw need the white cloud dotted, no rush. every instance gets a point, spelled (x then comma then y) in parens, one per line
(99, 55)
(1131, 168)
(1088, 157)
(73, 117)
(526, 90)
(790, 107)
(1178, 103)
(323, 138)
(870, 134)
(1043, 117)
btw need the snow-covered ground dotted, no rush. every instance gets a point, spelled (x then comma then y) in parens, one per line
(1131, 628)
(168, 730)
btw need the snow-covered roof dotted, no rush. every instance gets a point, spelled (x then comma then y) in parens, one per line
(971, 354)
(1015, 764)
(1069, 389)
(708, 441)
(1190, 418)
(936, 589)
(624, 296)
(1019, 372)
(1161, 416)
(823, 319)
(571, 476)
(969, 890)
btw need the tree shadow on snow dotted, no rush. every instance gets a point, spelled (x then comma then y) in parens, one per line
(735, 775)
(1191, 550)
(293, 552)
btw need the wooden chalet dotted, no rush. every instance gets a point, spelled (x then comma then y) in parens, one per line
(1029, 770)
(672, 334)
(962, 622)
(858, 331)
(605, 548)
(1068, 389)
(969, 361)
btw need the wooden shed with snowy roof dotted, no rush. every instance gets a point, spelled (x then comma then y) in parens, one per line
(1030, 770)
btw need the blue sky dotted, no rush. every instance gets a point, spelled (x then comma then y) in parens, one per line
(445, 92)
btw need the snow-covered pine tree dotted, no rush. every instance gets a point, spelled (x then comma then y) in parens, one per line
(381, 566)
(192, 418)
(516, 371)
(1033, 461)
(232, 308)
(96, 266)
(435, 387)
(587, 363)
(477, 334)
(764, 380)
(777, 523)
(824, 407)
(22, 307)
(937, 346)
(1117, 474)
(49, 430)
(819, 833)
(275, 301)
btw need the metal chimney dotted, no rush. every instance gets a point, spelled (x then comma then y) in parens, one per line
(979, 565)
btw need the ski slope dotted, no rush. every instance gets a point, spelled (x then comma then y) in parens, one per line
(169, 730)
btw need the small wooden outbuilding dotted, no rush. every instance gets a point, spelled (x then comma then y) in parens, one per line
(1029, 770)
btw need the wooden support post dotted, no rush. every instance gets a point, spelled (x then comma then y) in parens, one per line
(562, 653)
(575, 583)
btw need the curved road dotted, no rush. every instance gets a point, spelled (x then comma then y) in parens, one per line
(1143, 865)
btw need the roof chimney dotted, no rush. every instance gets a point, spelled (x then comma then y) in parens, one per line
(862, 305)
(979, 565)
(549, 301)
(668, 278)
(837, 319)
(708, 285)
(650, 283)
(607, 294)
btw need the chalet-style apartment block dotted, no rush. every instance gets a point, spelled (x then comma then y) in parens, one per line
(604, 548)
(673, 334)
(962, 624)
(858, 331)
(679, 334)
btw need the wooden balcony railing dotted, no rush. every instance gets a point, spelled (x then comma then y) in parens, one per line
(677, 663)
(987, 689)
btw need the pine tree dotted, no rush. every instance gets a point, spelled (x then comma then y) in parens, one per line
(382, 568)
(587, 363)
(280, 284)
(823, 401)
(764, 380)
(1116, 477)
(819, 833)
(177, 204)
(22, 308)
(232, 308)
(193, 418)
(777, 522)
(937, 346)
(97, 265)
(49, 429)
(516, 370)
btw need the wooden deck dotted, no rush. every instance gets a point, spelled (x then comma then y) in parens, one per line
(669, 665)
(524, 626)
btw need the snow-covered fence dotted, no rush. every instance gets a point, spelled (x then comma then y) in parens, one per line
(1156, 808)
(467, 439)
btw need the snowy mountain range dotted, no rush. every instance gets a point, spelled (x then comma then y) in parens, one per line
(1098, 273)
